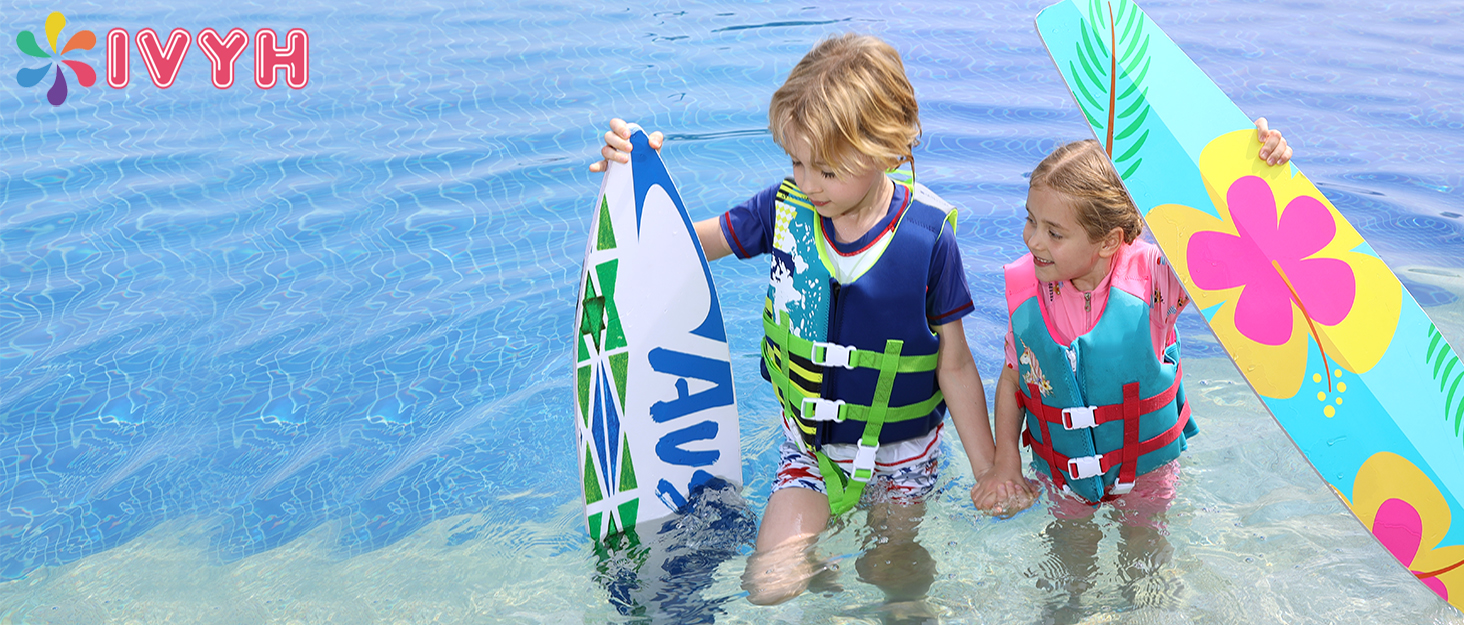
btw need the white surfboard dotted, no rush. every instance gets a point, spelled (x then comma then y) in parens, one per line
(654, 409)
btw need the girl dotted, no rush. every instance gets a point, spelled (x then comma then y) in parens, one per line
(1092, 364)
(864, 344)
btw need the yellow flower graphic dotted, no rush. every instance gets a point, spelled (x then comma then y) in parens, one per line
(1405, 511)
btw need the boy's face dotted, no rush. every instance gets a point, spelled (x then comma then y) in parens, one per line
(1059, 244)
(835, 196)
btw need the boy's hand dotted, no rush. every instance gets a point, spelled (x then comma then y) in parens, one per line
(1002, 492)
(617, 145)
(1275, 151)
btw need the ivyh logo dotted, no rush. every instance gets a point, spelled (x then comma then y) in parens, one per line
(82, 40)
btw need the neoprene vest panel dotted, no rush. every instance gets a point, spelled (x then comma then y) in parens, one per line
(853, 362)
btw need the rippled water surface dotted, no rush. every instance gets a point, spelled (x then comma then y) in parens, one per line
(278, 356)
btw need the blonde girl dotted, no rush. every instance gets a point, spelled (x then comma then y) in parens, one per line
(1092, 365)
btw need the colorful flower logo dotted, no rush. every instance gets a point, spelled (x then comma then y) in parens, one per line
(1409, 516)
(82, 40)
(1275, 264)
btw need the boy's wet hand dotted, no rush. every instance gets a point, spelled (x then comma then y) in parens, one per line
(1002, 492)
(617, 145)
(1019, 499)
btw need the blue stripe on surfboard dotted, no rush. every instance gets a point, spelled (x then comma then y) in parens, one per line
(648, 170)
(612, 438)
(597, 429)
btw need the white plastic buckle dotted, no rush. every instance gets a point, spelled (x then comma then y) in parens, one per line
(1080, 417)
(1085, 467)
(835, 355)
(1121, 488)
(823, 409)
(863, 463)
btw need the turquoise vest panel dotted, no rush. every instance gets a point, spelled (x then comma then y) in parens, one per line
(1092, 372)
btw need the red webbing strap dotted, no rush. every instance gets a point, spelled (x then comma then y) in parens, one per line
(1029, 401)
(1110, 459)
(1052, 458)
(1131, 414)
(1112, 412)
(1164, 438)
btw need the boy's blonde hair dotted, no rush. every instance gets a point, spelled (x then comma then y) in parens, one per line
(849, 101)
(1081, 171)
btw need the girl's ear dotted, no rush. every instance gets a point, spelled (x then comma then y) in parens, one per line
(1111, 242)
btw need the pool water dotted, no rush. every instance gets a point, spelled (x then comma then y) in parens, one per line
(278, 356)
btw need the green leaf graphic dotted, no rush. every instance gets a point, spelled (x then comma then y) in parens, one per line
(1114, 46)
(1448, 372)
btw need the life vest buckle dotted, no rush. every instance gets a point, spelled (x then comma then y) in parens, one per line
(1121, 488)
(864, 463)
(1079, 417)
(1085, 467)
(835, 355)
(823, 409)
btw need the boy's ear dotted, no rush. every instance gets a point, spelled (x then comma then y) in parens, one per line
(1111, 242)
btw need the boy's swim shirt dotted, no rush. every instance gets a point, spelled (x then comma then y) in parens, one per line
(748, 228)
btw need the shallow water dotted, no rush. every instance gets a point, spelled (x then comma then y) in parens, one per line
(299, 356)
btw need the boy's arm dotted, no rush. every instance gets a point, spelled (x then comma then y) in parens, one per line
(996, 482)
(965, 397)
(713, 242)
(1007, 491)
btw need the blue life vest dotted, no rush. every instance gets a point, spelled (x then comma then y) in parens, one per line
(1104, 409)
(853, 362)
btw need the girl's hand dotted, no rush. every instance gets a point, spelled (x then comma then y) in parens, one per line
(1002, 492)
(1275, 151)
(617, 145)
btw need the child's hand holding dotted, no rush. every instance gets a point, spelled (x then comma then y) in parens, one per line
(617, 145)
(1275, 151)
(1003, 491)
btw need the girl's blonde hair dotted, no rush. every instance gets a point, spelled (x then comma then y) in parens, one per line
(849, 101)
(1081, 171)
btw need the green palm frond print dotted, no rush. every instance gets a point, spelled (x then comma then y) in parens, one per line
(1113, 44)
(1448, 372)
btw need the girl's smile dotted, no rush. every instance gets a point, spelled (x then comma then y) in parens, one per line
(1061, 249)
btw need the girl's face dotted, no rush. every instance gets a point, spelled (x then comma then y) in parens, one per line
(835, 196)
(1060, 246)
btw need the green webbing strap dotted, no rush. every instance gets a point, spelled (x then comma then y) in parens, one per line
(845, 490)
(855, 412)
(794, 344)
(793, 395)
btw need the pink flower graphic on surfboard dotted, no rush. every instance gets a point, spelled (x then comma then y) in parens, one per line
(1269, 257)
(1277, 267)
(1408, 515)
